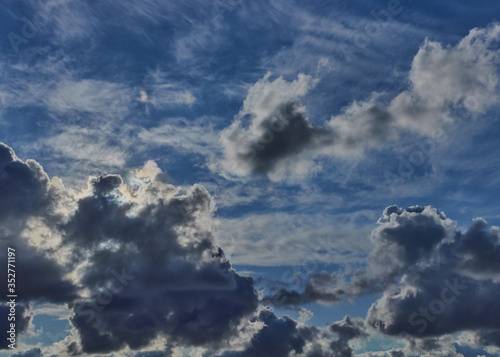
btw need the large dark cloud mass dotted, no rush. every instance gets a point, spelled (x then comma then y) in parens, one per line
(435, 279)
(133, 263)
(135, 259)
(445, 280)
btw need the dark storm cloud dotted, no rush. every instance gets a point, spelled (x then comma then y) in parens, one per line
(279, 337)
(442, 282)
(145, 257)
(23, 185)
(488, 338)
(435, 278)
(42, 277)
(179, 282)
(25, 194)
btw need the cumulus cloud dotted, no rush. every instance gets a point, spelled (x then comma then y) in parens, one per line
(273, 136)
(23, 319)
(278, 130)
(132, 263)
(438, 274)
(282, 337)
(135, 261)
(435, 279)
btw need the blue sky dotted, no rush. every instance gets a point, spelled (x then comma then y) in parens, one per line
(286, 133)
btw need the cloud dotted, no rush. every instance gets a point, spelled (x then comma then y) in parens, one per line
(34, 352)
(282, 337)
(273, 136)
(88, 95)
(166, 242)
(437, 274)
(136, 259)
(183, 136)
(435, 279)
(281, 238)
(465, 75)
(278, 130)
(133, 264)
(27, 192)
(346, 330)
(320, 287)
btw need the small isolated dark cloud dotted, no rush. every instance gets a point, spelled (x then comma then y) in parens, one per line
(281, 136)
(321, 287)
(279, 337)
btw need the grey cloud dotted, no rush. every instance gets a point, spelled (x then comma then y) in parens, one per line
(182, 285)
(146, 256)
(283, 135)
(279, 337)
(27, 193)
(320, 287)
(346, 330)
(435, 279)
(282, 337)
(445, 285)
(489, 338)
(272, 136)
(23, 185)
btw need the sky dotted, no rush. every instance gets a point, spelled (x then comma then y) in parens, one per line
(236, 178)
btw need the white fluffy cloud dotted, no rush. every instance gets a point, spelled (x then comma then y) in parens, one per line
(272, 135)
